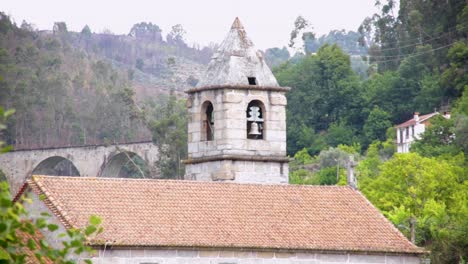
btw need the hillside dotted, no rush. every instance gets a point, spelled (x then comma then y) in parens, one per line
(72, 88)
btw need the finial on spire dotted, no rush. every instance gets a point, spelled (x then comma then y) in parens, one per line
(237, 62)
(237, 24)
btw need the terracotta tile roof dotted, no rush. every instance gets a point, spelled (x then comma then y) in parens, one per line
(412, 122)
(141, 212)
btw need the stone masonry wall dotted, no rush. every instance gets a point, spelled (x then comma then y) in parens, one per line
(239, 171)
(151, 256)
(230, 124)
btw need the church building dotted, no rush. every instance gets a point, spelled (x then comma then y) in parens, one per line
(235, 205)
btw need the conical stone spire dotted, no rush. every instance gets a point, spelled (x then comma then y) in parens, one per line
(237, 61)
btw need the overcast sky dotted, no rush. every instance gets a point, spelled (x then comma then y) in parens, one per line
(268, 23)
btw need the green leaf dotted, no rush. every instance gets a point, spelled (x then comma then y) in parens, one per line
(41, 223)
(94, 220)
(89, 230)
(9, 112)
(4, 255)
(75, 243)
(5, 202)
(31, 244)
(52, 227)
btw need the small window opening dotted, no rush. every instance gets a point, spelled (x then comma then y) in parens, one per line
(255, 120)
(208, 121)
(252, 80)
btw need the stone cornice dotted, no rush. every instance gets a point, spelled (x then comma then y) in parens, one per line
(239, 87)
(281, 159)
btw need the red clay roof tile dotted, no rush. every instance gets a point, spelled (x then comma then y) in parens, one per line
(412, 122)
(141, 212)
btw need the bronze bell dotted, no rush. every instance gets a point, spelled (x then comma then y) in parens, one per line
(254, 129)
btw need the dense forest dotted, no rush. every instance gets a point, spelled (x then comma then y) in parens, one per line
(350, 89)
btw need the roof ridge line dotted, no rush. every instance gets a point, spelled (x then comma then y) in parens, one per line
(286, 185)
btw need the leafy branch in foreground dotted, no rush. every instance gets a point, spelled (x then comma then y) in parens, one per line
(21, 240)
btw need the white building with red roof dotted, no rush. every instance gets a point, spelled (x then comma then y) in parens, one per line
(235, 206)
(412, 129)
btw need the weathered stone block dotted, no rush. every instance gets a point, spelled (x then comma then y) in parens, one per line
(366, 259)
(284, 255)
(187, 253)
(189, 102)
(278, 99)
(224, 173)
(233, 97)
(304, 262)
(160, 253)
(226, 254)
(233, 113)
(136, 253)
(275, 135)
(394, 259)
(192, 147)
(234, 134)
(208, 253)
(275, 125)
(412, 260)
(257, 145)
(265, 254)
(343, 258)
(244, 254)
(305, 255)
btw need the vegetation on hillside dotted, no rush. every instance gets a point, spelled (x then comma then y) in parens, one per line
(82, 88)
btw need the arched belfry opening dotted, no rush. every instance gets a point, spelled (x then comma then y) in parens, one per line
(255, 120)
(56, 166)
(207, 121)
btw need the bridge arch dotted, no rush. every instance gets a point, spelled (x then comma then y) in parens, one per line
(125, 164)
(56, 166)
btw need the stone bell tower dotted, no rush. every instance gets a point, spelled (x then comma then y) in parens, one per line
(237, 124)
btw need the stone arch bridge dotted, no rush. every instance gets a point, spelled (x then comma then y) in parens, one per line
(96, 161)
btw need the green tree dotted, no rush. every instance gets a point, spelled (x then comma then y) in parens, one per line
(426, 198)
(325, 89)
(276, 56)
(339, 133)
(170, 136)
(376, 125)
(454, 79)
(438, 139)
(146, 30)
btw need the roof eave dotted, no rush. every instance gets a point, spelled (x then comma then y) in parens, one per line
(417, 251)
